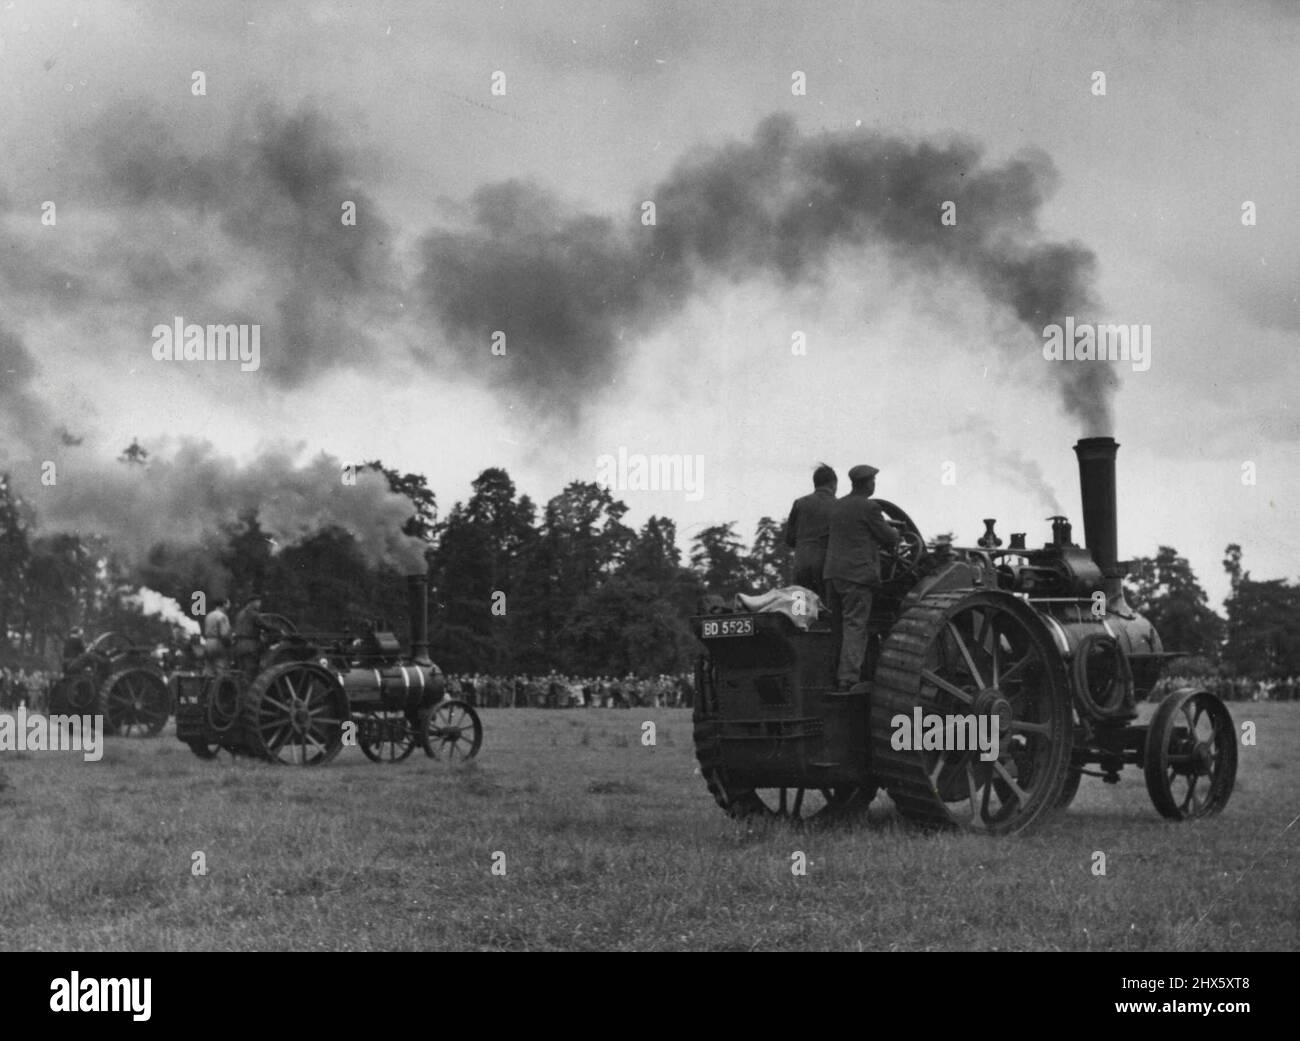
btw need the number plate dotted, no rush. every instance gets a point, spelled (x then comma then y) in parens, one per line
(727, 627)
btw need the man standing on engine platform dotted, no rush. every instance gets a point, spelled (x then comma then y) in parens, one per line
(857, 531)
(217, 634)
(249, 627)
(808, 530)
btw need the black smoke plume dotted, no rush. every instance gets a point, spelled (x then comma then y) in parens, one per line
(570, 290)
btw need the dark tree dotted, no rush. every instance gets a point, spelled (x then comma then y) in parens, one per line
(1165, 589)
(718, 558)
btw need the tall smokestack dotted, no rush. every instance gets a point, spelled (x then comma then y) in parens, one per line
(417, 591)
(1100, 523)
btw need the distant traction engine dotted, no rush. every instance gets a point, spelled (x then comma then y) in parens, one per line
(310, 687)
(118, 680)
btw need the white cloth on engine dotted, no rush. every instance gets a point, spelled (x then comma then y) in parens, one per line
(797, 603)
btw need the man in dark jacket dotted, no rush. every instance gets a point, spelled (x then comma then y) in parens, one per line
(808, 529)
(249, 627)
(857, 531)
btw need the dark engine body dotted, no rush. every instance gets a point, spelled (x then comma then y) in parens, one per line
(1038, 645)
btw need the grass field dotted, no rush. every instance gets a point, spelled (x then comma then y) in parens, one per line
(609, 845)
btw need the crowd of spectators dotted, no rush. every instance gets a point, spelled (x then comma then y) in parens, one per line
(555, 690)
(1240, 688)
(26, 687)
(31, 687)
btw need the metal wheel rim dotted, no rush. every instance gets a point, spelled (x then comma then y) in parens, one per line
(136, 703)
(998, 653)
(1191, 756)
(385, 739)
(453, 732)
(795, 805)
(299, 718)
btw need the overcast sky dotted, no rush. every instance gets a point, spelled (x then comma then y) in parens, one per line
(775, 213)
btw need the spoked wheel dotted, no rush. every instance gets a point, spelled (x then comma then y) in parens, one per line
(1191, 755)
(1074, 775)
(136, 703)
(1073, 778)
(796, 805)
(452, 731)
(993, 748)
(280, 624)
(74, 694)
(385, 738)
(294, 713)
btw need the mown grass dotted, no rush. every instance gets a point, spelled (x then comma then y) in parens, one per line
(608, 845)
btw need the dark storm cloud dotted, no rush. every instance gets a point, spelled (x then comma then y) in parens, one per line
(567, 290)
(248, 229)
(570, 289)
(275, 189)
(182, 500)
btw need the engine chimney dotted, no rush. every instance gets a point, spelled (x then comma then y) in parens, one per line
(417, 591)
(1100, 523)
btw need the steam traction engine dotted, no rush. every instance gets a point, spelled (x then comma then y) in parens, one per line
(311, 688)
(118, 680)
(1038, 645)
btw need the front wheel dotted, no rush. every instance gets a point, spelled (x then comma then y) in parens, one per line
(452, 731)
(1191, 755)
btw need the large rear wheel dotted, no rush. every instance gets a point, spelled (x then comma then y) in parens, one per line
(294, 713)
(979, 673)
(791, 804)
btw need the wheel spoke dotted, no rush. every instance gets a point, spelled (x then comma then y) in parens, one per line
(1021, 795)
(1015, 668)
(970, 791)
(1024, 726)
(278, 739)
(966, 656)
(284, 708)
(944, 685)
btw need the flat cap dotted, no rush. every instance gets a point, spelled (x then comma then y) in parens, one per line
(862, 472)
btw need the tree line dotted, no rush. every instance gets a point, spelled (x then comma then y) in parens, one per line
(523, 589)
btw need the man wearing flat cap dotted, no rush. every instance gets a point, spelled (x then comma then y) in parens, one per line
(857, 531)
(249, 627)
(809, 528)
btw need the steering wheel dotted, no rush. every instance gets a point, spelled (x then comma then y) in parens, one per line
(280, 624)
(900, 561)
(111, 644)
